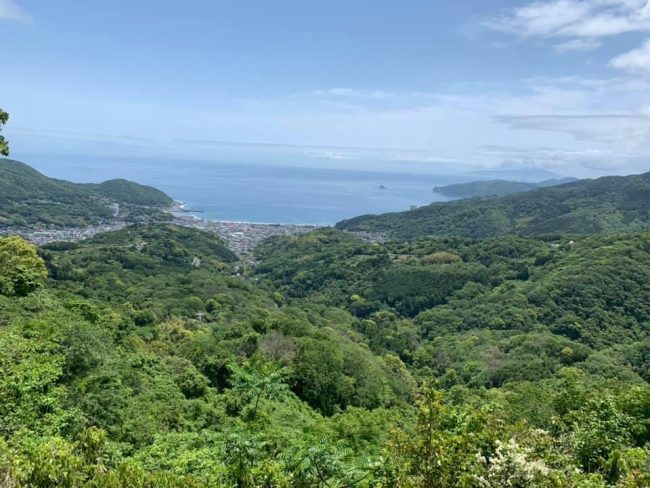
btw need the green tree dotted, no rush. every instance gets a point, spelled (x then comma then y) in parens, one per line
(30, 368)
(257, 380)
(444, 449)
(4, 145)
(21, 269)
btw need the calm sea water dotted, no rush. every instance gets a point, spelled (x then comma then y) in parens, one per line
(257, 193)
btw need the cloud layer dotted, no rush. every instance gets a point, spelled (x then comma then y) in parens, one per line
(575, 18)
(635, 61)
(9, 11)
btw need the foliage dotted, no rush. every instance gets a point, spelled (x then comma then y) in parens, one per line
(29, 199)
(488, 188)
(440, 362)
(609, 204)
(132, 193)
(4, 145)
(21, 270)
(256, 381)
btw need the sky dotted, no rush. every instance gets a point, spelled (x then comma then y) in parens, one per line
(426, 85)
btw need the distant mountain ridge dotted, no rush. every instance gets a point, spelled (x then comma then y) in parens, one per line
(134, 193)
(516, 173)
(608, 204)
(494, 187)
(29, 198)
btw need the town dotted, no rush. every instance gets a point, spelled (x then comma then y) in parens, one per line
(243, 237)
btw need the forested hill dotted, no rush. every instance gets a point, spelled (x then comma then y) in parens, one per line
(147, 358)
(494, 187)
(606, 204)
(29, 198)
(129, 192)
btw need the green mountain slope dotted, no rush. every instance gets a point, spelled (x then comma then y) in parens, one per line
(336, 360)
(582, 207)
(151, 357)
(592, 291)
(29, 198)
(488, 188)
(133, 193)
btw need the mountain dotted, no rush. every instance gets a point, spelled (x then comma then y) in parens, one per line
(148, 358)
(494, 187)
(133, 193)
(29, 198)
(527, 175)
(153, 356)
(608, 204)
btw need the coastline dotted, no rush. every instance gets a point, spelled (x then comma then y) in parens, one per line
(240, 236)
(180, 210)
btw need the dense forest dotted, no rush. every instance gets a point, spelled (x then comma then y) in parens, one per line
(29, 199)
(152, 356)
(610, 204)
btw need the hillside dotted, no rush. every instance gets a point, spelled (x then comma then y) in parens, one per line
(488, 188)
(29, 198)
(609, 204)
(132, 193)
(148, 360)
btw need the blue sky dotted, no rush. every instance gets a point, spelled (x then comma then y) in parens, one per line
(562, 85)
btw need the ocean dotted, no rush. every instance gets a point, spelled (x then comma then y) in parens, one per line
(257, 193)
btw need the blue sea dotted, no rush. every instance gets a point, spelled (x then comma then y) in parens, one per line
(257, 193)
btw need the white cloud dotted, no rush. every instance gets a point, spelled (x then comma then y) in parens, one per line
(574, 18)
(580, 45)
(583, 123)
(562, 160)
(635, 61)
(10, 11)
(593, 124)
(604, 128)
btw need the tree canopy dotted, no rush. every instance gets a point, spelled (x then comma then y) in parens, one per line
(4, 145)
(440, 362)
(21, 269)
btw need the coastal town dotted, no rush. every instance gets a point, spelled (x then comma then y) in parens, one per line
(243, 237)
(240, 237)
(41, 236)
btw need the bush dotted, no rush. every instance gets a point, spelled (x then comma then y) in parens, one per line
(21, 269)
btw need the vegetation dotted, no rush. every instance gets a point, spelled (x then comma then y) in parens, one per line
(610, 204)
(4, 145)
(21, 270)
(153, 357)
(132, 193)
(28, 199)
(148, 359)
(488, 188)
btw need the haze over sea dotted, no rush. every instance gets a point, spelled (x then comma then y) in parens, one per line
(258, 193)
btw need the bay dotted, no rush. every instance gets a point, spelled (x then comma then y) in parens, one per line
(248, 192)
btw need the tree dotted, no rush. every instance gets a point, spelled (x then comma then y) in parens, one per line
(444, 449)
(21, 269)
(258, 380)
(4, 145)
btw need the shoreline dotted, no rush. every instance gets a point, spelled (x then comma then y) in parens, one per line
(241, 237)
(180, 210)
(248, 222)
